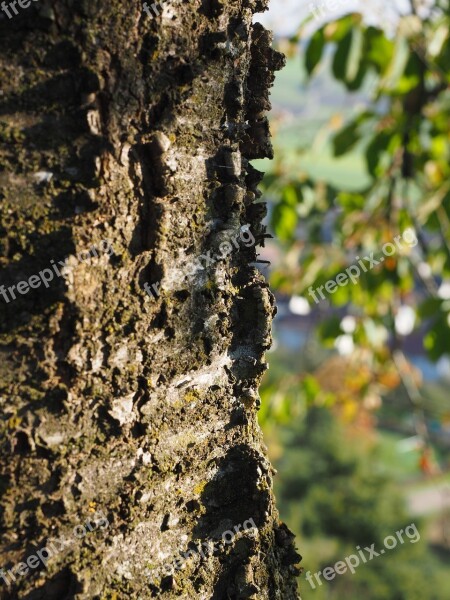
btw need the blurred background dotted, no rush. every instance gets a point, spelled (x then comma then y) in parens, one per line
(356, 404)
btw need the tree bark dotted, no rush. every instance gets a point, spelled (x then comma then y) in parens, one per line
(129, 136)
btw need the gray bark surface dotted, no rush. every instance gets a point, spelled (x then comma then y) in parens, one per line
(137, 130)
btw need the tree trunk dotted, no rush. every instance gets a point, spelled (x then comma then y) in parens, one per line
(129, 433)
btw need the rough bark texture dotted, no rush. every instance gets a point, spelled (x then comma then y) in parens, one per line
(144, 409)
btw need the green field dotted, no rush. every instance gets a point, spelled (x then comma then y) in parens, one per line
(302, 113)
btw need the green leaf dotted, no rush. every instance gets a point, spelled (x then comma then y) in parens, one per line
(346, 139)
(399, 74)
(284, 221)
(429, 308)
(311, 388)
(375, 149)
(330, 329)
(357, 83)
(341, 57)
(290, 196)
(414, 68)
(436, 341)
(380, 50)
(355, 53)
(314, 51)
(335, 31)
(351, 201)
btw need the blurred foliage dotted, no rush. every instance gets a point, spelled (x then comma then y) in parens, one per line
(403, 134)
(341, 482)
(336, 496)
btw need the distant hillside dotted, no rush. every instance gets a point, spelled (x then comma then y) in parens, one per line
(302, 122)
(318, 98)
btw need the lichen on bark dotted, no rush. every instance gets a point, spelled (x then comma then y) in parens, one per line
(117, 127)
